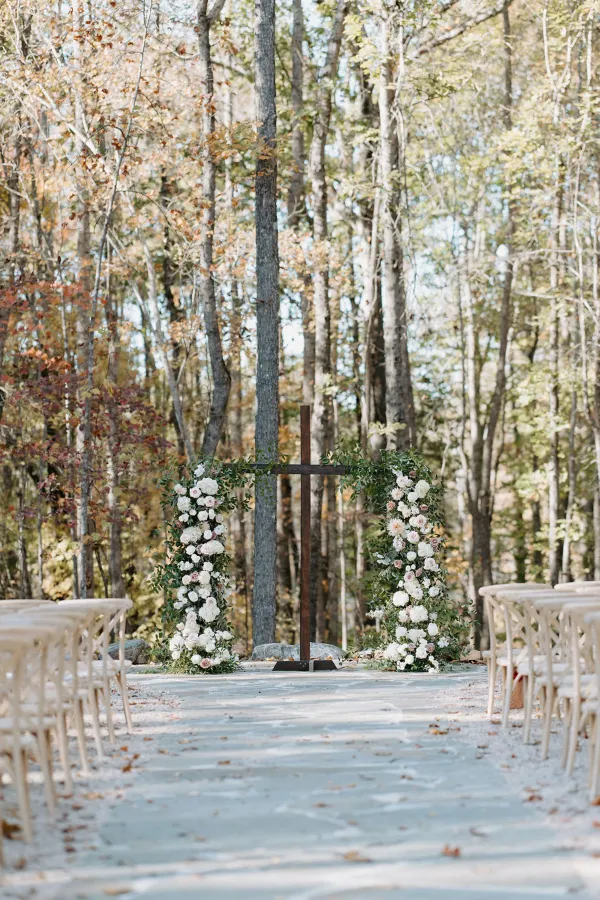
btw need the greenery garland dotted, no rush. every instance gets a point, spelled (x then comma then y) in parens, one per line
(421, 626)
(196, 577)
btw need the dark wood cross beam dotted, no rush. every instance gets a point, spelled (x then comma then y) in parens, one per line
(305, 469)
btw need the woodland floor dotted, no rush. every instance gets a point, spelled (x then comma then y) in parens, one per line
(349, 784)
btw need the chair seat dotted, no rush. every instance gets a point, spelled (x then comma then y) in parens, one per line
(588, 687)
(30, 721)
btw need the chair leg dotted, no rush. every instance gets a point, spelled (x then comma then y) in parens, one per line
(95, 715)
(528, 711)
(44, 760)
(81, 741)
(123, 688)
(19, 762)
(567, 731)
(507, 696)
(63, 749)
(548, 706)
(109, 719)
(573, 735)
(595, 759)
(492, 672)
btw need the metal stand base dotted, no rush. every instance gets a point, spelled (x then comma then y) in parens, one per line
(304, 665)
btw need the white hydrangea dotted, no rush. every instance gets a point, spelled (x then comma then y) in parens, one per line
(418, 614)
(190, 535)
(400, 598)
(211, 548)
(208, 486)
(209, 611)
(183, 504)
(392, 651)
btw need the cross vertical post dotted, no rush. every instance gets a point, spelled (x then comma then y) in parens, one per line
(305, 535)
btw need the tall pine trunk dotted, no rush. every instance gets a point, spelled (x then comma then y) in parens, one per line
(267, 326)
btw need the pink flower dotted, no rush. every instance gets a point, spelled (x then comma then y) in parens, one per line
(418, 573)
(195, 576)
(398, 563)
(423, 507)
(210, 502)
(391, 505)
(205, 663)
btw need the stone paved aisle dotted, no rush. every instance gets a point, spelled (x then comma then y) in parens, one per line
(260, 786)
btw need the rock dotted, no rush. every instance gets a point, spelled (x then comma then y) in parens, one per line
(136, 650)
(292, 651)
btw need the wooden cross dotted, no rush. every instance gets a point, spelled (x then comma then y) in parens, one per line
(305, 469)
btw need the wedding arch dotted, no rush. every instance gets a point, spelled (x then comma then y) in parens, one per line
(407, 584)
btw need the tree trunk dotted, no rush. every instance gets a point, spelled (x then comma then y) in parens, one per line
(399, 406)
(322, 403)
(220, 373)
(115, 565)
(267, 326)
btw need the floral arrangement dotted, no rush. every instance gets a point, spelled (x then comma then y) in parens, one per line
(421, 626)
(196, 577)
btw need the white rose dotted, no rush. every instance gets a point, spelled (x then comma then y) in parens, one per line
(175, 654)
(212, 547)
(179, 489)
(186, 579)
(422, 489)
(432, 629)
(204, 578)
(398, 543)
(415, 635)
(220, 529)
(192, 596)
(434, 591)
(431, 565)
(413, 537)
(184, 517)
(196, 659)
(208, 485)
(418, 614)
(411, 555)
(190, 550)
(194, 492)
(202, 515)
(411, 497)
(204, 592)
(402, 616)
(208, 566)
(409, 659)
(199, 470)
(400, 598)
(424, 549)
(421, 652)
(195, 557)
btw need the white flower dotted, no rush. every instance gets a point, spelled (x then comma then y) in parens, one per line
(195, 558)
(175, 654)
(431, 565)
(409, 577)
(402, 616)
(413, 537)
(443, 642)
(176, 642)
(411, 497)
(204, 578)
(418, 614)
(202, 515)
(404, 510)
(204, 592)
(220, 529)
(432, 629)
(403, 481)
(186, 579)
(208, 485)
(219, 517)
(421, 652)
(207, 535)
(194, 492)
(179, 489)
(183, 504)
(208, 566)
(434, 591)
(190, 550)
(181, 593)
(190, 535)
(397, 494)
(400, 598)
(415, 590)
(411, 555)
(398, 543)
(409, 659)
(209, 611)
(212, 547)
(392, 651)
(396, 527)
(184, 517)
(199, 470)
(196, 659)
(210, 646)
(425, 549)
(420, 522)
(422, 489)
(192, 596)
(433, 616)
(415, 635)
(400, 631)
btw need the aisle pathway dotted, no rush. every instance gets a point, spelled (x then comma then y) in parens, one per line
(337, 785)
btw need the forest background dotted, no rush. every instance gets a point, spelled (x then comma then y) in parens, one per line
(437, 177)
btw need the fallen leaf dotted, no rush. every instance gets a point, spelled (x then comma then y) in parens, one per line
(478, 833)
(434, 730)
(451, 851)
(321, 804)
(224, 762)
(116, 892)
(356, 856)
(533, 798)
(93, 795)
(595, 802)
(10, 830)
(148, 739)
(124, 749)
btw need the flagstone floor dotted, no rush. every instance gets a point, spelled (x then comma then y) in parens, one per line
(348, 784)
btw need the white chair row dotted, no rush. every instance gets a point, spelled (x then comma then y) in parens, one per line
(55, 670)
(549, 638)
